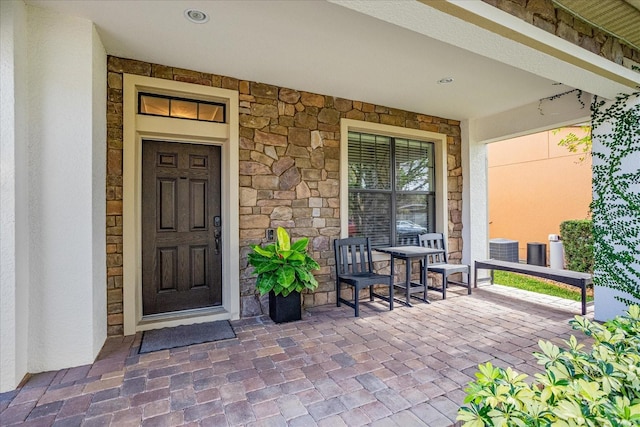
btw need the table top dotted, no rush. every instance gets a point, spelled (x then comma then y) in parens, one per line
(409, 251)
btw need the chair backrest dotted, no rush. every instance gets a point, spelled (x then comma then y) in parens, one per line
(434, 241)
(353, 255)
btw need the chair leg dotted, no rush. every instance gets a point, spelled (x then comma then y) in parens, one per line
(468, 283)
(356, 300)
(424, 279)
(444, 286)
(370, 292)
(391, 296)
(338, 292)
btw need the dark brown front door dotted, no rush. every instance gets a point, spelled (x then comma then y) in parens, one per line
(181, 224)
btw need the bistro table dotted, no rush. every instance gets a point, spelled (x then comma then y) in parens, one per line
(408, 254)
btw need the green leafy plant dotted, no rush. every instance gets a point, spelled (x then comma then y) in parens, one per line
(600, 388)
(577, 239)
(283, 267)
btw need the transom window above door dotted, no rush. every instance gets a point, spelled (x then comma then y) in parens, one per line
(181, 108)
(391, 184)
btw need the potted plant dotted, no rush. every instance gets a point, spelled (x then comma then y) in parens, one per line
(284, 270)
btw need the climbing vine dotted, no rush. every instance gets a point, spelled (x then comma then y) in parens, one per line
(573, 143)
(577, 92)
(616, 194)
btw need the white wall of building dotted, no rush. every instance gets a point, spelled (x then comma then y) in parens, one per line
(67, 182)
(606, 305)
(14, 248)
(53, 160)
(614, 212)
(475, 209)
(98, 199)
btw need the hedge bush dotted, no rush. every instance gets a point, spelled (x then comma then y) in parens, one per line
(600, 388)
(577, 239)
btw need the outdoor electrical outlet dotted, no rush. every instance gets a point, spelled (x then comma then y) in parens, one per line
(271, 233)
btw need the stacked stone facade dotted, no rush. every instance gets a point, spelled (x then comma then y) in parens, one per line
(289, 153)
(543, 14)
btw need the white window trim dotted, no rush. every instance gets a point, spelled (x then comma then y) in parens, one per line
(439, 141)
(137, 127)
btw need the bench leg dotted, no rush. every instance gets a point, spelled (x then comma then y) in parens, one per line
(584, 298)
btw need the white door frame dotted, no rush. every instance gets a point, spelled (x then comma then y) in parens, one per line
(137, 127)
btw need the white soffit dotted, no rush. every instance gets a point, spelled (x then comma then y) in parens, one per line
(488, 31)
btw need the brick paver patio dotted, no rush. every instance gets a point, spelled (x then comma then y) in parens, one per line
(405, 367)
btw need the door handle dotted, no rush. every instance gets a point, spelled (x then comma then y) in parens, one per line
(216, 237)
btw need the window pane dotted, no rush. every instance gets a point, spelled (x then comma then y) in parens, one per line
(369, 161)
(184, 109)
(412, 217)
(210, 113)
(370, 216)
(154, 105)
(414, 165)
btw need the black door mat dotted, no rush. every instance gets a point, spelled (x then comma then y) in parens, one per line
(180, 336)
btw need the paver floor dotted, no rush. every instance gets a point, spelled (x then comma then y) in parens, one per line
(403, 367)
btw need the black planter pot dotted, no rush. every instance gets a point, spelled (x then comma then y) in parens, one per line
(285, 309)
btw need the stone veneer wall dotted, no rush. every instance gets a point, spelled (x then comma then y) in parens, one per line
(543, 14)
(289, 172)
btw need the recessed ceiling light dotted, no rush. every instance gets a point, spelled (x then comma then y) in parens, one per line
(445, 80)
(196, 16)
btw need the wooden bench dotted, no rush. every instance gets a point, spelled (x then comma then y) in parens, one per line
(573, 278)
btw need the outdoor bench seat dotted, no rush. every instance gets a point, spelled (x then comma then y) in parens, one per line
(573, 278)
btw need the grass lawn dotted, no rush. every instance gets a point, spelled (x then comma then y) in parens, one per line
(547, 287)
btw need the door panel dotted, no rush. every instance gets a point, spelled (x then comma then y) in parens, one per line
(167, 211)
(181, 268)
(198, 200)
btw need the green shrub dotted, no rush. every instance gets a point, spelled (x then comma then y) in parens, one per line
(577, 239)
(600, 388)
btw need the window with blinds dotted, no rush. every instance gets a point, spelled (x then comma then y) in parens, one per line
(391, 189)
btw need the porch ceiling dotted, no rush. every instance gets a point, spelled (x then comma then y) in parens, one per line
(328, 48)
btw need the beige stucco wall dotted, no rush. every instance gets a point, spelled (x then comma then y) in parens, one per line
(534, 185)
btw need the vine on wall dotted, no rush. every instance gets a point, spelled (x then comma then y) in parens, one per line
(616, 194)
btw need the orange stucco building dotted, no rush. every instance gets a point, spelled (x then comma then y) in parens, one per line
(534, 185)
